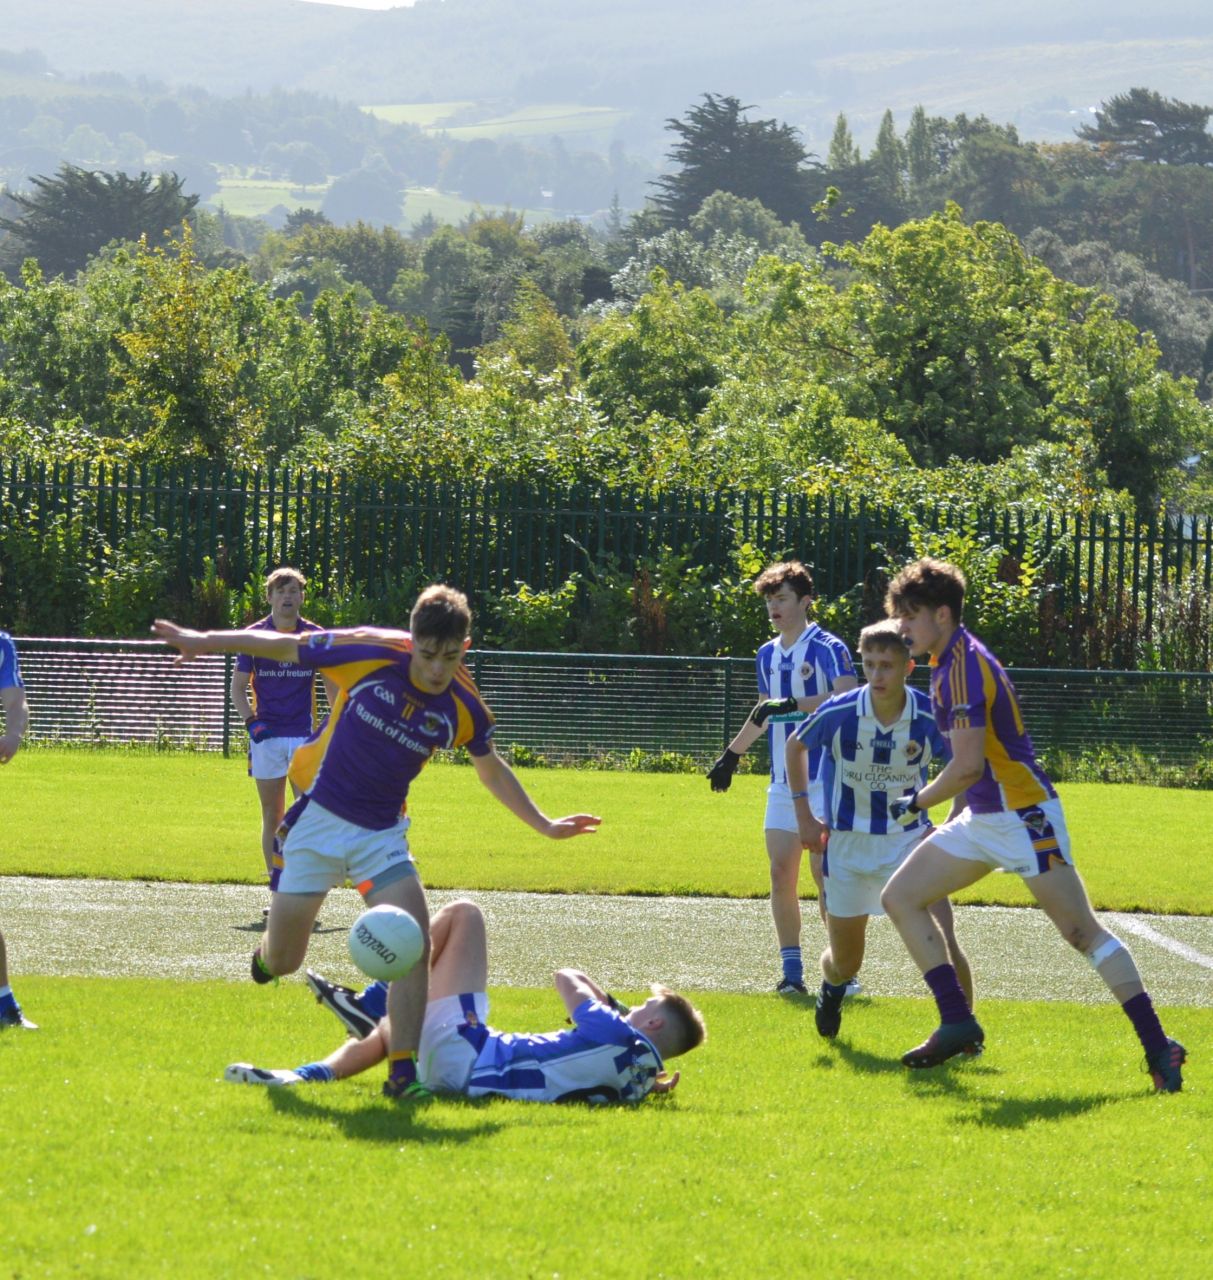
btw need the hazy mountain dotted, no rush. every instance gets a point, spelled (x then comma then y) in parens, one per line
(1035, 63)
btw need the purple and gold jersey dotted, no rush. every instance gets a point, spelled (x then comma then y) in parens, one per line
(602, 1059)
(283, 692)
(10, 671)
(382, 729)
(970, 690)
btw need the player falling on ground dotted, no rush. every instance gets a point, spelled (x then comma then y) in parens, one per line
(1005, 816)
(876, 741)
(276, 701)
(16, 719)
(611, 1054)
(401, 697)
(797, 671)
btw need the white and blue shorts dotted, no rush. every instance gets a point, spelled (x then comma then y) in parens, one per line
(322, 851)
(271, 757)
(858, 866)
(781, 810)
(452, 1035)
(1026, 841)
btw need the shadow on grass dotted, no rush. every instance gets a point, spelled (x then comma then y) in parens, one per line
(390, 1122)
(258, 926)
(1017, 1113)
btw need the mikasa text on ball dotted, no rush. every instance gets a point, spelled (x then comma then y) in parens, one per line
(386, 942)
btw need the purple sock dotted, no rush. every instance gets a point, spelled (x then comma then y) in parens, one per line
(1140, 1011)
(945, 987)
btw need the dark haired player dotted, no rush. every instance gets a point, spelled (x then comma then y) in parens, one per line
(797, 671)
(1005, 816)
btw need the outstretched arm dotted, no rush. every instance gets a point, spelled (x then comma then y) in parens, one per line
(502, 782)
(575, 988)
(280, 646)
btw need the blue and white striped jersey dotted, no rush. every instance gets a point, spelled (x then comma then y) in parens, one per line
(807, 669)
(602, 1059)
(866, 764)
(10, 670)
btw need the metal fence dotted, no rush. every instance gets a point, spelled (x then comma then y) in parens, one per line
(581, 707)
(1108, 576)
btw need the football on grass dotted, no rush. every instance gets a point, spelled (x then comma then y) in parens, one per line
(386, 942)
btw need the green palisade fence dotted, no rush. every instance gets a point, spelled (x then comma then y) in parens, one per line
(1108, 575)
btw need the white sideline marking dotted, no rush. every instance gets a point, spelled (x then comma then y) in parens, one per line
(1133, 925)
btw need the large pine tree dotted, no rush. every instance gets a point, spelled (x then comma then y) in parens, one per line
(1143, 125)
(719, 149)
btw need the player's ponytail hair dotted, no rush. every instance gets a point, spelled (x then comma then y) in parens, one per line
(441, 614)
(685, 1023)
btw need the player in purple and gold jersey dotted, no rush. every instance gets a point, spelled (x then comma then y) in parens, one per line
(1005, 816)
(276, 701)
(402, 696)
(16, 719)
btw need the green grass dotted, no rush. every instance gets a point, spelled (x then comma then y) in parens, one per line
(777, 1156)
(540, 120)
(195, 817)
(427, 115)
(251, 197)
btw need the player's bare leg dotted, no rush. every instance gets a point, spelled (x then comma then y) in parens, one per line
(272, 794)
(1062, 894)
(406, 996)
(459, 954)
(840, 962)
(926, 877)
(288, 930)
(942, 913)
(783, 854)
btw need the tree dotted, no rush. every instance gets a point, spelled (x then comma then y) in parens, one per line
(372, 194)
(1143, 125)
(889, 160)
(843, 152)
(69, 217)
(719, 149)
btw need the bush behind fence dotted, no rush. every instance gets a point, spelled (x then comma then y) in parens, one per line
(96, 549)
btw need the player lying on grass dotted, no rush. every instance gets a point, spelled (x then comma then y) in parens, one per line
(16, 720)
(611, 1054)
(1005, 816)
(797, 671)
(402, 697)
(276, 700)
(875, 742)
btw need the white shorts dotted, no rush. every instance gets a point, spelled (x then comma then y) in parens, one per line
(322, 851)
(781, 810)
(1026, 841)
(858, 866)
(271, 757)
(445, 1058)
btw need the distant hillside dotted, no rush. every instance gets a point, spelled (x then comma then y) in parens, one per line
(1036, 63)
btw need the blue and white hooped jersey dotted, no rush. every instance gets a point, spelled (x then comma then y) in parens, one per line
(865, 764)
(601, 1059)
(10, 671)
(809, 668)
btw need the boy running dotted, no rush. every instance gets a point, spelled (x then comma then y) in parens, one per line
(16, 720)
(402, 696)
(876, 741)
(1005, 816)
(797, 672)
(611, 1054)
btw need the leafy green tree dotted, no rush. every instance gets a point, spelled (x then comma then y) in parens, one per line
(889, 160)
(1143, 125)
(533, 334)
(70, 217)
(724, 214)
(719, 149)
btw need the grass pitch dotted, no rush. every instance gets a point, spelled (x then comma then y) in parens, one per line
(779, 1154)
(195, 817)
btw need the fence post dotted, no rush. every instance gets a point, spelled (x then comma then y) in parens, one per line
(728, 700)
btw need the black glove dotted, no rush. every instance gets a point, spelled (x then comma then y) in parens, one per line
(258, 729)
(904, 810)
(720, 775)
(772, 707)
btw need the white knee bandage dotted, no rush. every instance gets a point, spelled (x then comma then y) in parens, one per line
(1104, 950)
